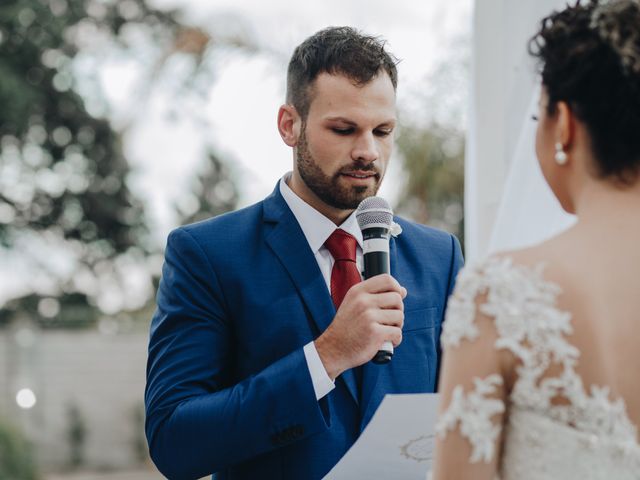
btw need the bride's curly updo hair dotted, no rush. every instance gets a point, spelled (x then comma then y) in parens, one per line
(589, 56)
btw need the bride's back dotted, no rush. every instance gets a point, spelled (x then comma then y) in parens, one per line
(596, 264)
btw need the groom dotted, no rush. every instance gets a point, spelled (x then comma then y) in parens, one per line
(259, 350)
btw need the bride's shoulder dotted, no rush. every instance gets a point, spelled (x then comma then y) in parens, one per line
(509, 293)
(541, 265)
(508, 270)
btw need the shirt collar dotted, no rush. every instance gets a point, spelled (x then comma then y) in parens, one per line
(315, 226)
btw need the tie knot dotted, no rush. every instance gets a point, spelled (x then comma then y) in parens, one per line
(342, 245)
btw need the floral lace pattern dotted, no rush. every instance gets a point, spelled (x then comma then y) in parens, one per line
(530, 326)
(474, 412)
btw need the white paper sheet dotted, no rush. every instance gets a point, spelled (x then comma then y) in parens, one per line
(396, 445)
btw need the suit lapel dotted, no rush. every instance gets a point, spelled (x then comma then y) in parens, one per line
(288, 243)
(371, 371)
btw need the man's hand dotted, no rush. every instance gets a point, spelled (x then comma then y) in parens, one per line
(371, 313)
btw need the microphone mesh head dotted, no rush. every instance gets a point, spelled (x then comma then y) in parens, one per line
(374, 212)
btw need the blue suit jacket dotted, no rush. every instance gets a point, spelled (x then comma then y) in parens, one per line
(228, 388)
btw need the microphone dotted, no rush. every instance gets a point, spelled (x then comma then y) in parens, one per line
(375, 218)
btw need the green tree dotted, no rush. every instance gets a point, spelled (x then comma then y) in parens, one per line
(16, 456)
(76, 435)
(212, 193)
(432, 145)
(433, 193)
(63, 172)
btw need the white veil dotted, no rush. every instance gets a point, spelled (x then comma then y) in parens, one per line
(528, 212)
(507, 203)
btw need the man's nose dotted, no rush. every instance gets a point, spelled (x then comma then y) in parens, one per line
(365, 150)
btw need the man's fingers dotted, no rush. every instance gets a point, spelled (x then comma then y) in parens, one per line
(391, 334)
(394, 318)
(388, 300)
(383, 283)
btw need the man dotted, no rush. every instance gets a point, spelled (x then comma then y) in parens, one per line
(259, 357)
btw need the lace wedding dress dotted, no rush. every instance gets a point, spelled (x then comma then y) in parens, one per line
(554, 426)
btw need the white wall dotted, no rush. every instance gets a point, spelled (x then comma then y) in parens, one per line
(103, 375)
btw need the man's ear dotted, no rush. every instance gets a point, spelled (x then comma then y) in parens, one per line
(289, 122)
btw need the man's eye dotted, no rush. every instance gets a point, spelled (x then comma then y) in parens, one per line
(343, 131)
(383, 133)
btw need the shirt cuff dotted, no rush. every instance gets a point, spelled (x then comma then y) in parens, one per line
(322, 384)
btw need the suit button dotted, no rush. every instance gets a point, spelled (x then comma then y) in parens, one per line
(276, 438)
(287, 435)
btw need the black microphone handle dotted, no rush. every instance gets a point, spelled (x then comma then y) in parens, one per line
(376, 263)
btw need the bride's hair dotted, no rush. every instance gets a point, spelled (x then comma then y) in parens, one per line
(589, 56)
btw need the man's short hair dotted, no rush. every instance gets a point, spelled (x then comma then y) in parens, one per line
(336, 50)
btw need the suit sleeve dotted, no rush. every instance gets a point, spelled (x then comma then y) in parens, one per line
(456, 264)
(198, 420)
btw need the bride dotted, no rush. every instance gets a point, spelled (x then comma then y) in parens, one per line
(541, 363)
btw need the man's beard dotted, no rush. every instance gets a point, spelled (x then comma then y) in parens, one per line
(327, 188)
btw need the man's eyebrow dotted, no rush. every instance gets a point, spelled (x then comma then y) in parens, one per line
(388, 122)
(341, 119)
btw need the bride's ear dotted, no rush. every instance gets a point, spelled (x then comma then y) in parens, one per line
(565, 124)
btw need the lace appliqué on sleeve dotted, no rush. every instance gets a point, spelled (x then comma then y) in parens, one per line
(474, 411)
(522, 306)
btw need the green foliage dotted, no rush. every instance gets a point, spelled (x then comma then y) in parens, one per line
(16, 456)
(76, 435)
(69, 311)
(213, 192)
(63, 172)
(62, 169)
(432, 144)
(433, 158)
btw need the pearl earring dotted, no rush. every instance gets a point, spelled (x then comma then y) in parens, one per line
(561, 155)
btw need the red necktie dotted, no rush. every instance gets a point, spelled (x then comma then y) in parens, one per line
(344, 274)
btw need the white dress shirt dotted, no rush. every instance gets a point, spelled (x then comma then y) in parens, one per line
(317, 228)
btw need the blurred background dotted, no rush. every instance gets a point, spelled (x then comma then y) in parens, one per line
(120, 120)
